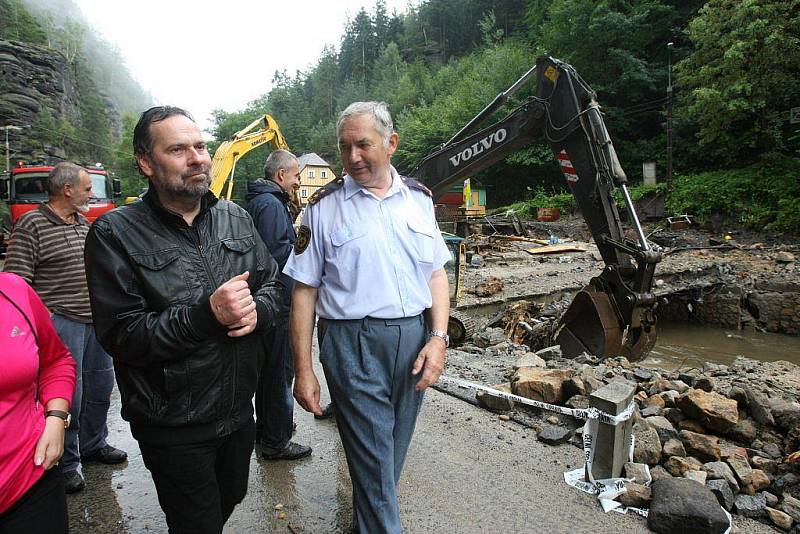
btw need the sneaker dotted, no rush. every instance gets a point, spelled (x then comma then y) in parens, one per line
(327, 412)
(73, 482)
(106, 455)
(292, 451)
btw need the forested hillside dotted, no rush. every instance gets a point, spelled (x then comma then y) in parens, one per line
(735, 66)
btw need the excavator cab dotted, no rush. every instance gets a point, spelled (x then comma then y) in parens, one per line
(614, 313)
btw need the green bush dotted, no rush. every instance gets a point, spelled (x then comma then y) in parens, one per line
(541, 199)
(765, 195)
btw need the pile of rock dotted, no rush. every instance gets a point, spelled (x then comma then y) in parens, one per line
(731, 432)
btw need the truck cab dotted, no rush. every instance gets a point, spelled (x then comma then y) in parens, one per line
(25, 188)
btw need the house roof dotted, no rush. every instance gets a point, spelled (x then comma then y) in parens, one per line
(311, 159)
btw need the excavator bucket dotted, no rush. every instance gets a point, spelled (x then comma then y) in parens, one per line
(590, 325)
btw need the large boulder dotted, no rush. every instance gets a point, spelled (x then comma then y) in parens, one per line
(759, 406)
(663, 427)
(546, 385)
(741, 468)
(677, 465)
(721, 471)
(750, 505)
(714, 411)
(702, 446)
(683, 505)
(647, 447)
(722, 491)
(500, 404)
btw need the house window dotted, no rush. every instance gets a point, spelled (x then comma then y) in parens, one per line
(324, 174)
(304, 192)
(310, 173)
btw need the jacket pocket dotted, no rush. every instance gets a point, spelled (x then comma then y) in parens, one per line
(161, 277)
(237, 252)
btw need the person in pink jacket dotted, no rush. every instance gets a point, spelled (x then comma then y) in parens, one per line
(37, 379)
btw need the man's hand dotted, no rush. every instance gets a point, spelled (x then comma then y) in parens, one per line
(431, 359)
(306, 391)
(232, 302)
(245, 325)
(50, 446)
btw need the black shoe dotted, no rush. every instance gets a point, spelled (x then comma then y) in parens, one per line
(106, 455)
(327, 412)
(292, 451)
(73, 482)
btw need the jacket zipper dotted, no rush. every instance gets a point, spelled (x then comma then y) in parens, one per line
(213, 281)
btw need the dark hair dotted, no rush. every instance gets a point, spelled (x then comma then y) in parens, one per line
(142, 139)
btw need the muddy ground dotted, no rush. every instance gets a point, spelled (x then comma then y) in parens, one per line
(467, 471)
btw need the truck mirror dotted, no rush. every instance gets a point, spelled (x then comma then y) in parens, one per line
(4, 187)
(117, 187)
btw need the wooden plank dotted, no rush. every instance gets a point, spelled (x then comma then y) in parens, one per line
(552, 249)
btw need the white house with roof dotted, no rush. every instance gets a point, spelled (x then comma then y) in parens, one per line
(314, 173)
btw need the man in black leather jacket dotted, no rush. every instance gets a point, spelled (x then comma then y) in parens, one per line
(182, 286)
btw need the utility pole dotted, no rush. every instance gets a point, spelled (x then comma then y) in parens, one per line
(8, 153)
(669, 115)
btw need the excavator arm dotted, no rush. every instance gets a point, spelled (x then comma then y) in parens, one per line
(223, 165)
(614, 313)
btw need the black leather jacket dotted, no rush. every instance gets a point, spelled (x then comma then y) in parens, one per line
(181, 378)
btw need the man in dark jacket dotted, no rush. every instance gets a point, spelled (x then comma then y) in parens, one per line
(182, 289)
(268, 204)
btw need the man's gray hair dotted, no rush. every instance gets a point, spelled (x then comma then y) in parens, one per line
(62, 174)
(277, 160)
(379, 113)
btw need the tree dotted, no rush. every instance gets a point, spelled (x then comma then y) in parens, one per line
(741, 78)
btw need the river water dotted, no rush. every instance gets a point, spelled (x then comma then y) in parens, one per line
(686, 345)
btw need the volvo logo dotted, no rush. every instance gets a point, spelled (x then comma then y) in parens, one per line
(494, 138)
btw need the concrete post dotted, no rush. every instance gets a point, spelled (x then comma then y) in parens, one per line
(612, 442)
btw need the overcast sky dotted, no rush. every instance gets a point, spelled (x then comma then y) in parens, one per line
(201, 55)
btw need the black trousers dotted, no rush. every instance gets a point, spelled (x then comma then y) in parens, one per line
(41, 510)
(199, 484)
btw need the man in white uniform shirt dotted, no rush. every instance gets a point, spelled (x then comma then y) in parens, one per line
(369, 261)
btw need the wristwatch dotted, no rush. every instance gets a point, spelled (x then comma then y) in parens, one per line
(443, 335)
(66, 416)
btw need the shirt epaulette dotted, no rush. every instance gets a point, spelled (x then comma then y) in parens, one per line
(416, 184)
(326, 190)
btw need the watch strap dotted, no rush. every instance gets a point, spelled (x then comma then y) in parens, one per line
(60, 414)
(443, 335)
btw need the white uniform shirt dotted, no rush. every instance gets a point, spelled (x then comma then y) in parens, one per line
(370, 256)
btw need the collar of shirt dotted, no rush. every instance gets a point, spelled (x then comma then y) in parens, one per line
(351, 187)
(77, 220)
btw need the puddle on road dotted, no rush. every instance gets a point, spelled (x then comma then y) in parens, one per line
(688, 345)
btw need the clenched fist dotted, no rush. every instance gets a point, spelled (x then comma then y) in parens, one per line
(233, 305)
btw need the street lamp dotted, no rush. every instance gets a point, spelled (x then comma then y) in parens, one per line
(7, 128)
(670, 45)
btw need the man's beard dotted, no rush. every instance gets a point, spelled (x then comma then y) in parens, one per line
(83, 208)
(188, 191)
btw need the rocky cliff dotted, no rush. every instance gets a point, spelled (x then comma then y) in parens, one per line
(37, 81)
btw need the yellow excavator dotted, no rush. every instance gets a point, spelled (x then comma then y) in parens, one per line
(223, 165)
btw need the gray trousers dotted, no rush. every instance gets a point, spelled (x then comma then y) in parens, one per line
(367, 364)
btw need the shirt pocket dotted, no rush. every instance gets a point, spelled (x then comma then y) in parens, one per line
(161, 277)
(422, 240)
(351, 247)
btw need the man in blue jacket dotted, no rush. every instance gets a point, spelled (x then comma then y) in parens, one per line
(268, 204)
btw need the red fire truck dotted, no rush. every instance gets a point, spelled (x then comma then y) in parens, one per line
(25, 188)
